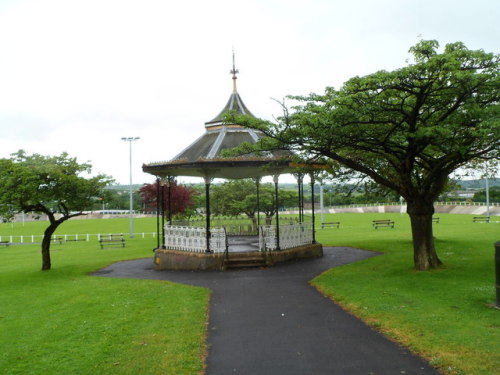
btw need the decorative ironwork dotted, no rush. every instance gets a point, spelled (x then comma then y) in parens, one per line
(292, 235)
(235, 226)
(195, 239)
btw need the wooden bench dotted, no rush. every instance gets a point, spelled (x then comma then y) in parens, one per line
(481, 219)
(330, 224)
(58, 239)
(4, 243)
(383, 223)
(111, 240)
(435, 220)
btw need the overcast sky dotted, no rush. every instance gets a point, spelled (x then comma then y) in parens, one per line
(77, 76)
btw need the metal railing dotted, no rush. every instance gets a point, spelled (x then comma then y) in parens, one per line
(235, 225)
(194, 239)
(292, 235)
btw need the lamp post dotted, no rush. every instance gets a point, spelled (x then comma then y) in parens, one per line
(130, 140)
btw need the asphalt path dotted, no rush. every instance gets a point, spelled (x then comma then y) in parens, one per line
(270, 321)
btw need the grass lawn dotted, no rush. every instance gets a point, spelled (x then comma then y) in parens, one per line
(440, 314)
(65, 322)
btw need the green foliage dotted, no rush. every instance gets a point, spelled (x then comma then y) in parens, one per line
(226, 199)
(407, 129)
(410, 128)
(236, 197)
(47, 184)
(118, 199)
(494, 195)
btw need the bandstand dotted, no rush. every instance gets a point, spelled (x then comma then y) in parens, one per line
(211, 247)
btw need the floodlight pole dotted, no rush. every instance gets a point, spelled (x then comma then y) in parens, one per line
(130, 140)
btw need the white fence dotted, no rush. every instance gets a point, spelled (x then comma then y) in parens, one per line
(290, 236)
(358, 205)
(194, 239)
(37, 238)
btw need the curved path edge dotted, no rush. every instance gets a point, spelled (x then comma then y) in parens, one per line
(270, 321)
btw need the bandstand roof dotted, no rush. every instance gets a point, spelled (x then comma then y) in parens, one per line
(203, 157)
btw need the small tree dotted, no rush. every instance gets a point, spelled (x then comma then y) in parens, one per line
(407, 130)
(494, 195)
(237, 197)
(182, 197)
(50, 185)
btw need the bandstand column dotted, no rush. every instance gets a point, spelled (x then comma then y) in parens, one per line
(162, 195)
(207, 210)
(158, 212)
(302, 198)
(257, 182)
(312, 210)
(276, 199)
(169, 192)
(301, 201)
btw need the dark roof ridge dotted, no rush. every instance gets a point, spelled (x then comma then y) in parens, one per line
(235, 103)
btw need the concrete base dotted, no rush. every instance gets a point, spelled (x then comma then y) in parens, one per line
(302, 252)
(166, 259)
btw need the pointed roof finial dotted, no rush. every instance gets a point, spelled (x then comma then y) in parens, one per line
(234, 71)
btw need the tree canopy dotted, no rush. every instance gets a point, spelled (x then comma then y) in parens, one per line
(50, 185)
(406, 129)
(238, 197)
(182, 197)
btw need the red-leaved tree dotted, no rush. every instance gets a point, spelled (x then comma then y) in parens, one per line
(182, 197)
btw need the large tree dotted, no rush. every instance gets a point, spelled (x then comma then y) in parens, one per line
(406, 129)
(50, 185)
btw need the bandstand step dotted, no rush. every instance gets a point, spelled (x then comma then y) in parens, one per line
(245, 262)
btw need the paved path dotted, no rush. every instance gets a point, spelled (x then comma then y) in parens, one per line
(272, 322)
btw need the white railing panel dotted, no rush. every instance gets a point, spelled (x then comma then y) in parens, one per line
(292, 235)
(194, 239)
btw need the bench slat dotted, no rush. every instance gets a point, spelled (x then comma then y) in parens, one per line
(479, 219)
(383, 223)
(112, 240)
(330, 224)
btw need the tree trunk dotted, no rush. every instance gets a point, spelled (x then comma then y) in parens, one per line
(47, 238)
(254, 223)
(424, 252)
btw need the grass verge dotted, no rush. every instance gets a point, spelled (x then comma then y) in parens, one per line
(441, 314)
(65, 322)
